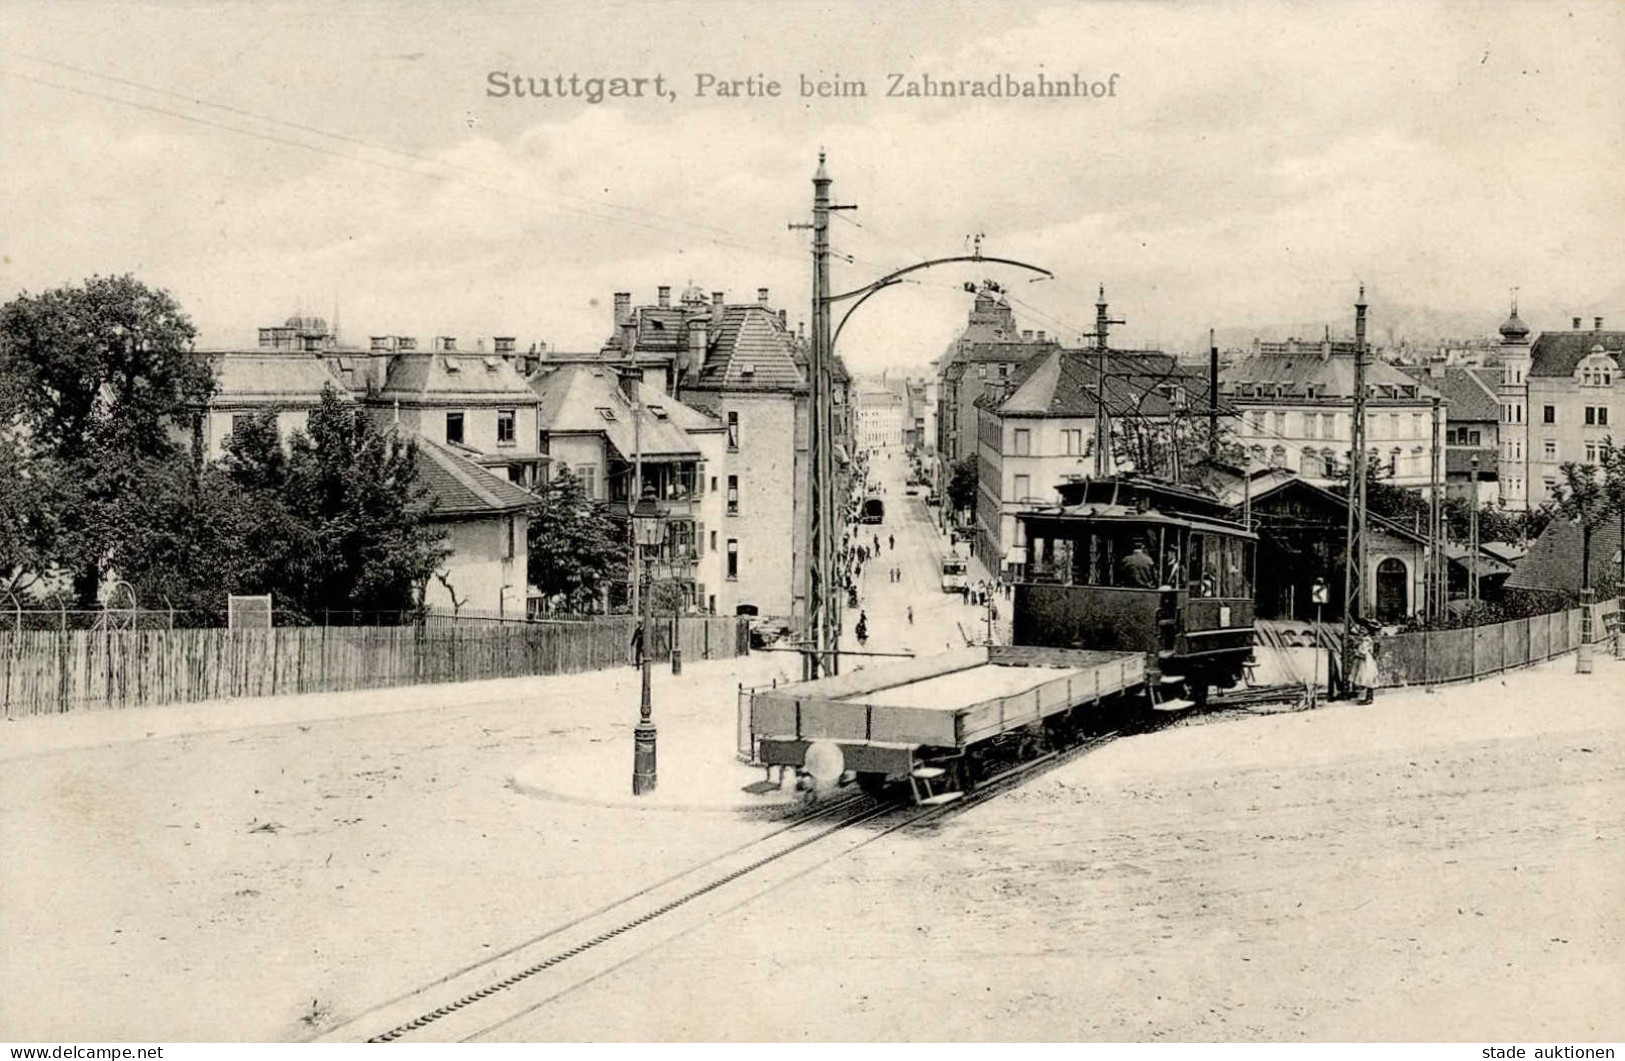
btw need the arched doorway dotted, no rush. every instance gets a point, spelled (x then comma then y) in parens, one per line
(1393, 589)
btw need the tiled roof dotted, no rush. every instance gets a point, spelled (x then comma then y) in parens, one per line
(750, 352)
(1333, 377)
(1014, 352)
(572, 398)
(1469, 391)
(1065, 383)
(460, 487)
(289, 377)
(1554, 560)
(1460, 462)
(1556, 353)
(454, 378)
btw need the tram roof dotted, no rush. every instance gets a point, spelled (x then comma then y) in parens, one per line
(1096, 512)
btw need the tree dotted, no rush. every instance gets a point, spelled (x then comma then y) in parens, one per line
(1581, 499)
(1613, 489)
(182, 544)
(1398, 503)
(101, 381)
(577, 550)
(359, 529)
(24, 517)
(962, 485)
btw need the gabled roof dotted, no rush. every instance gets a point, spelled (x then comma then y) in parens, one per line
(1065, 383)
(750, 352)
(1298, 484)
(453, 378)
(462, 488)
(1554, 560)
(1557, 353)
(1469, 391)
(582, 398)
(269, 378)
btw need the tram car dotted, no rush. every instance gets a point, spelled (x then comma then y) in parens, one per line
(1135, 564)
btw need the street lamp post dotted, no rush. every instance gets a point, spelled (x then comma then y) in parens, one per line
(649, 528)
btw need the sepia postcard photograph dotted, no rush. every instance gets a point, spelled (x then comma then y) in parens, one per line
(718, 522)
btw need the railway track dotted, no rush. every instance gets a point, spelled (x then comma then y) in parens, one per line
(481, 998)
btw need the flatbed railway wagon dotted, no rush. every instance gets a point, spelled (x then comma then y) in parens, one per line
(935, 725)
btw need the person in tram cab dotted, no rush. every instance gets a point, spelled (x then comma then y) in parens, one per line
(1139, 569)
(1172, 574)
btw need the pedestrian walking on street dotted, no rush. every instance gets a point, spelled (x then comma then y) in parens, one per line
(911, 615)
(863, 628)
(637, 645)
(891, 542)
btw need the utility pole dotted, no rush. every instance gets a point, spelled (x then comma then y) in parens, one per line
(1472, 536)
(1101, 336)
(1212, 396)
(1436, 602)
(1354, 552)
(823, 606)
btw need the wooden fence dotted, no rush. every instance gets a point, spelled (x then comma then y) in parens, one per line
(1434, 656)
(51, 671)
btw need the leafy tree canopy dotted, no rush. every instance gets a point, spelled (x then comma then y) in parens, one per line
(577, 549)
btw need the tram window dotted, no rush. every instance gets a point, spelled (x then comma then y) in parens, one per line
(1198, 567)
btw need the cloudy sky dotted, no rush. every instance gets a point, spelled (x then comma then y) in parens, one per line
(1257, 162)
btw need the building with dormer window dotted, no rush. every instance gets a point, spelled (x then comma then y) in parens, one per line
(1295, 401)
(1575, 400)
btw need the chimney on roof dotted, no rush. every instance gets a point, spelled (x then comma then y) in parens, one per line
(383, 343)
(1596, 324)
(629, 337)
(406, 343)
(623, 307)
(1577, 324)
(716, 299)
(761, 296)
(664, 294)
(446, 344)
(503, 344)
(1027, 333)
(1040, 335)
(695, 359)
(784, 320)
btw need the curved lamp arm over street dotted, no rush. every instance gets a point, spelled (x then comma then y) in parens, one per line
(863, 294)
(890, 277)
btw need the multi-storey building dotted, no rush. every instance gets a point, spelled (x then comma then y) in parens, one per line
(473, 401)
(1512, 357)
(1472, 426)
(1042, 429)
(742, 365)
(1576, 397)
(880, 413)
(1295, 402)
(982, 360)
(605, 426)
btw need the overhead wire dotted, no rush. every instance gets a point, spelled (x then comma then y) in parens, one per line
(596, 209)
